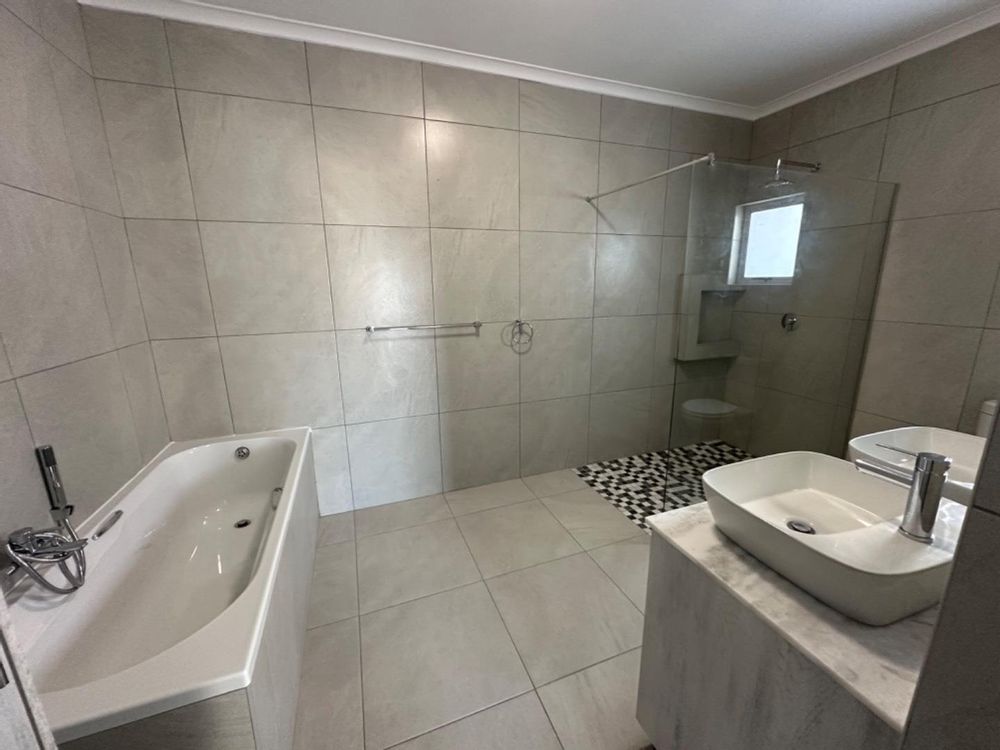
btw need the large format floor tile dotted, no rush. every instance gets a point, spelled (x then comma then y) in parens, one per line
(591, 519)
(488, 496)
(515, 536)
(334, 592)
(433, 661)
(410, 563)
(336, 528)
(554, 483)
(401, 515)
(627, 563)
(329, 710)
(595, 709)
(565, 615)
(520, 723)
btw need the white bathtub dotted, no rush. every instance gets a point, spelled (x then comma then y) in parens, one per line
(175, 606)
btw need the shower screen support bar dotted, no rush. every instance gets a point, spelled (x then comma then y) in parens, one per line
(710, 158)
(474, 324)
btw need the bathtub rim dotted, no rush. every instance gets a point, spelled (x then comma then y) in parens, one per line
(187, 672)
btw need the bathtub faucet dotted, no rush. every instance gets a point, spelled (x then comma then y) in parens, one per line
(28, 547)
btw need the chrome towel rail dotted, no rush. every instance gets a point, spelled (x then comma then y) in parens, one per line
(375, 329)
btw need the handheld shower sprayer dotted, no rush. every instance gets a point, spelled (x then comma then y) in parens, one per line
(60, 545)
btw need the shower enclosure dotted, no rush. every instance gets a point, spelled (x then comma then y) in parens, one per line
(773, 275)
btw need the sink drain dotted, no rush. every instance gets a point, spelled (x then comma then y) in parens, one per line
(803, 527)
(242, 523)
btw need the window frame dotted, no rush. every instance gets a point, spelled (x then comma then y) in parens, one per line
(741, 236)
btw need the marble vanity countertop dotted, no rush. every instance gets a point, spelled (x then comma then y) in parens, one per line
(879, 665)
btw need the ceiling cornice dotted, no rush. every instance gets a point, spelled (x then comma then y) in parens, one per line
(195, 11)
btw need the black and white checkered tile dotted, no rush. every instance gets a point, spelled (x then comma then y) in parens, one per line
(651, 483)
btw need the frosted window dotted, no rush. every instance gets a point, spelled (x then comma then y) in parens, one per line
(772, 242)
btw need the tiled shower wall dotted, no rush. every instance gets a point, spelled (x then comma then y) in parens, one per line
(932, 124)
(279, 197)
(76, 368)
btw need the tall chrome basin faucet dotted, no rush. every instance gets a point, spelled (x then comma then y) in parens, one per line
(924, 483)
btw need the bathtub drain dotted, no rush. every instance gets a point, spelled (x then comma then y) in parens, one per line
(803, 527)
(242, 523)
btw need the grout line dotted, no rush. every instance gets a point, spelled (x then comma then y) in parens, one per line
(329, 284)
(201, 243)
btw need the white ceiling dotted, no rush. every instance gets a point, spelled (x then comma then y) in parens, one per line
(744, 57)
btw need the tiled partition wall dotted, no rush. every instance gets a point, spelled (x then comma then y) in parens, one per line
(279, 197)
(932, 124)
(75, 363)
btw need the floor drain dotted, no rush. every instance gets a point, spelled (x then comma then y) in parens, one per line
(803, 527)
(242, 523)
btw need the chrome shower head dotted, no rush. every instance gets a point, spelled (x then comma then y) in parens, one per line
(779, 180)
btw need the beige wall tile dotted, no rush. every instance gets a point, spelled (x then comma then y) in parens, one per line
(82, 410)
(361, 80)
(808, 361)
(170, 270)
(556, 175)
(333, 473)
(857, 103)
(558, 363)
(349, 143)
(470, 97)
(476, 370)
(147, 150)
(554, 434)
(395, 460)
(917, 373)
(194, 388)
(851, 153)
(966, 65)
(59, 22)
(282, 380)
(479, 447)
(639, 209)
(127, 46)
(143, 388)
(51, 302)
(387, 375)
(635, 123)
(557, 275)
(785, 422)
(628, 271)
(771, 134)
(699, 133)
(380, 276)
(619, 424)
(231, 62)
(250, 160)
(475, 275)
(34, 153)
(88, 146)
(623, 353)
(472, 176)
(559, 111)
(114, 261)
(940, 270)
(931, 153)
(267, 278)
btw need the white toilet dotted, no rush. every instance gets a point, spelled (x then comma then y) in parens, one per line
(704, 418)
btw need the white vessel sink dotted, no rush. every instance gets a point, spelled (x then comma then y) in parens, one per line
(856, 561)
(965, 451)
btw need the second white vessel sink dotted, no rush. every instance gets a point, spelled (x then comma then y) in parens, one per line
(832, 530)
(965, 452)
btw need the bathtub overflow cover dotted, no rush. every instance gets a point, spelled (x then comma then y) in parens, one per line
(242, 523)
(242, 452)
(803, 527)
